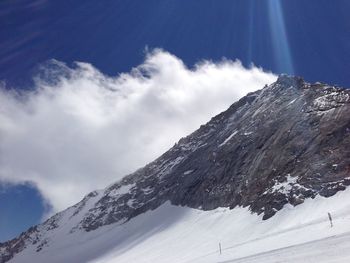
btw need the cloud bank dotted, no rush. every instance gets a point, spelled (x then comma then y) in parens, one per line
(82, 130)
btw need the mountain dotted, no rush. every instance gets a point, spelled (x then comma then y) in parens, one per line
(275, 148)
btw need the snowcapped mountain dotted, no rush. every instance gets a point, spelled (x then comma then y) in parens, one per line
(276, 154)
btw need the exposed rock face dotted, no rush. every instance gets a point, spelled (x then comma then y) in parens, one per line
(282, 144)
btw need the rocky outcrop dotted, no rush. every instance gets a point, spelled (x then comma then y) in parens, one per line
(282, 144)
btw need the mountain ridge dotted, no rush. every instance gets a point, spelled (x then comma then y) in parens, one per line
(276, 146)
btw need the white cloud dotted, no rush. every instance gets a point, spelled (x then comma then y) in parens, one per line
(86, 130)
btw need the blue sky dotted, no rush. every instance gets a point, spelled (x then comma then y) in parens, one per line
(307, 38)
(20, 206)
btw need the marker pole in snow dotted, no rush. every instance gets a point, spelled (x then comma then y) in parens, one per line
(220, 248)
(330, 219)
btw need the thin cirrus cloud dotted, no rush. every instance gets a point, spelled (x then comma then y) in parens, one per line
(84, 130)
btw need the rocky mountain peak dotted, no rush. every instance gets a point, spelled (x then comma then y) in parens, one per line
(289, 81)
(276, 146)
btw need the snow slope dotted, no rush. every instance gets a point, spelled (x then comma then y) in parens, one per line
(332, 249)
(181, 234)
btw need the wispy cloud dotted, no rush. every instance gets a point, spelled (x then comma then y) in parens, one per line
(83, 130)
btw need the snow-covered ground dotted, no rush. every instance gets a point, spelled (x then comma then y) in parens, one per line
(180, 234)
(327, 250)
